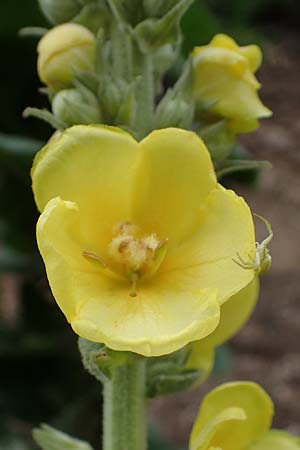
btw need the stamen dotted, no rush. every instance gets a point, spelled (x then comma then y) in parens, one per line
(94, 257)
(133, 292)
(162, 243)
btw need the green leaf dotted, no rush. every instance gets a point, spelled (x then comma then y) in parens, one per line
(236, 165)
(49, 438)
(168, 374)
(154, 33)
(33, 32)
(164, 384)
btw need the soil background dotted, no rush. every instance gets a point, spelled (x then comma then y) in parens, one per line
(267, 349)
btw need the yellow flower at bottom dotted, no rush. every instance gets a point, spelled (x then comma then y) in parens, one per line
(138, 238)
(224, 76)
(238, 416)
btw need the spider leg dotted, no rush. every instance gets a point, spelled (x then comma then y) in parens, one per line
(251, 257)
(268, 239)
(243, 264)
(241, 259)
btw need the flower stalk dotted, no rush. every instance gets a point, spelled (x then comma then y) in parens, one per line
(105, 82)
(124, 415)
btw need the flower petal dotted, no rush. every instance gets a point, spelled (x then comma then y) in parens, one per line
(152, 324)
(225, 229)
(159, 320)
(252, 52)
(234, 314)
(277, 440)
(222, 77)
(93, 167)
(174, 177)
(202, 358)
(229, 418)
(232, 433)
(61, 244)
(254, 55)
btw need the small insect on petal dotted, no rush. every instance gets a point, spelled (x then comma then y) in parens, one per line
(262, 261)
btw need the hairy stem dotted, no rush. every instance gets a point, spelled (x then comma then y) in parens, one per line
(125, 408)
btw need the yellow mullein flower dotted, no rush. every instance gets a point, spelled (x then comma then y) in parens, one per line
(224, 77)
(64, 48)
(138, 238)
(238, 416)
(234, 314)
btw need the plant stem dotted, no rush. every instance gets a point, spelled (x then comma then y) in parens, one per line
(125, 408)
(145, 93)
(122, 52)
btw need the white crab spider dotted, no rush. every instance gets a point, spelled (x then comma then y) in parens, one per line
(262, 260)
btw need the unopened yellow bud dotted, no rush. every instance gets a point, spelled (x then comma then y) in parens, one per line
(65, 48)
(224, 75)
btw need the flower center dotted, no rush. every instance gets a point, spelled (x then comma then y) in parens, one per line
(132, 254)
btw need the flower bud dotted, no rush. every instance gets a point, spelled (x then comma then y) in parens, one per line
(224, 76)
(176, 112)
(63, 49)
(74, 106)
(59, 11)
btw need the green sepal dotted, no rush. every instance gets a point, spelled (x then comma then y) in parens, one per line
(165, 384)
(100, 361)
(88, 79)
(169, 374)
(86, 2)
(101, 60)
(177, 107)
(157, 8)
(175, 112)
(77, 106)
(93, 16)
(49, 438)
(128, 109)
(111, 93)
(219, 139)
(154, 33)
(59, 11)
(117, 10)
(46, 116)
(130, 12)
(162, 60)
